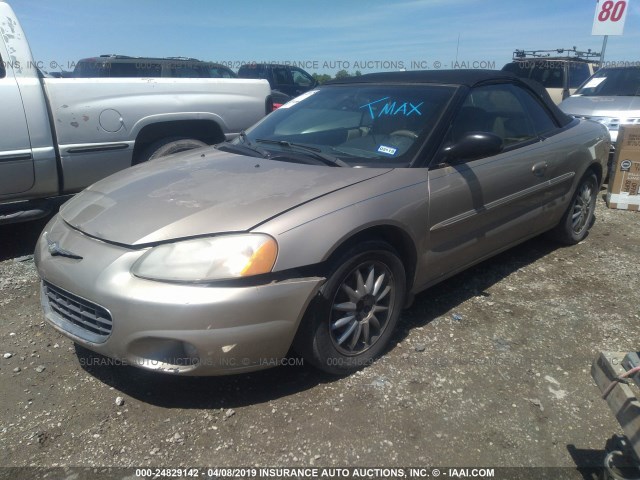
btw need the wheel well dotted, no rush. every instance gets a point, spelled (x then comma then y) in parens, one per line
(206, 131)
(394, 236)
(596, 168)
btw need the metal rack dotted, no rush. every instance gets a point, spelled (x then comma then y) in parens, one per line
(564, 53)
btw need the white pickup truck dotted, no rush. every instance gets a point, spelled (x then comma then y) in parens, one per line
(59, 135)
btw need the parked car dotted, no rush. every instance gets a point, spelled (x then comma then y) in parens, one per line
(611, 96)
(315, 227)
(116, 66)
(560, 71)
(59, 135)
(286, 81)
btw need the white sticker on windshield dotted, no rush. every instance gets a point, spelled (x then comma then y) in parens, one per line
(387, 150)
(298, 99)
(594, 82)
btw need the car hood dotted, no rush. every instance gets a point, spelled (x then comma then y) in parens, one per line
(601, 106)
(199, 193)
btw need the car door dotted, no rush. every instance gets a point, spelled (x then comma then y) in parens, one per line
(16, 161)
(481, 206)
(282, 80)
(302, 81)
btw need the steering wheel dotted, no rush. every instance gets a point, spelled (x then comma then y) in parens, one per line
(405, 133)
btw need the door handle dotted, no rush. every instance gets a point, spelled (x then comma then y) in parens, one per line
(540, 169)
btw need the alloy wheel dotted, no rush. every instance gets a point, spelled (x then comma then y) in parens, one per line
(361, 308)
(581, 212)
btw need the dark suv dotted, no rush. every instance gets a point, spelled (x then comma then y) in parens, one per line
(286, 81)
(124, 66)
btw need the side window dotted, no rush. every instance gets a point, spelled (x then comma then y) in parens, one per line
(281, 76)
(188, 71)
(125, 69)
(139, 68)
(541, 119)
(3, 71)
(220, 73)
(251, 72)
(300, 79)
(550, 74)
(520, 69)
(578, 73)
(146, 69)
(92, 70)
(496, 109)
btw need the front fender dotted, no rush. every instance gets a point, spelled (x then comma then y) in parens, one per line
(311, 233)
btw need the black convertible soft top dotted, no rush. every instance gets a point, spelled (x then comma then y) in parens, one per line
(468, 78)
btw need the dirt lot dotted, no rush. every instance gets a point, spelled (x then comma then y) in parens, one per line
(490, 368)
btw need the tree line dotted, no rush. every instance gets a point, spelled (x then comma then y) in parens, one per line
(323, 77)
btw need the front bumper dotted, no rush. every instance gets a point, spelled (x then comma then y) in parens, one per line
(176, 328)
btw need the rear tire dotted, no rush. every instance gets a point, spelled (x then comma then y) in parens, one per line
(168, 146)
(579, 217)
(353, 318)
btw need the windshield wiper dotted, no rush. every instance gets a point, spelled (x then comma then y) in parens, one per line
(309, 150)
(286, 143)
(244, 148)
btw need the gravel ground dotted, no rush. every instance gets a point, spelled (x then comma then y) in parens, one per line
(490, 368)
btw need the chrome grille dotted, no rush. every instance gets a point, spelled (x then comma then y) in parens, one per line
(93, 322)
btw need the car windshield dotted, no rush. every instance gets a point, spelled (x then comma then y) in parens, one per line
(353, 125)
(612, 82)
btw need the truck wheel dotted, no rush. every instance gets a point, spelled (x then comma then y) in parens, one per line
(168, 146)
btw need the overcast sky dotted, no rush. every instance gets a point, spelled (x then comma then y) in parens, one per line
(324, 36)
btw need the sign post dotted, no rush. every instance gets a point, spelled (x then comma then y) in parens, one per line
(609, 20)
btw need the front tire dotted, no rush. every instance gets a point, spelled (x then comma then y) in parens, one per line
(579, 217)
(352, 320)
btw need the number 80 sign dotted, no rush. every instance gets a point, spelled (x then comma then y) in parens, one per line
(610, 16)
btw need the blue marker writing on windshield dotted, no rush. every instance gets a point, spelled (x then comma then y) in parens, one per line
(373, 103)
(406, 109)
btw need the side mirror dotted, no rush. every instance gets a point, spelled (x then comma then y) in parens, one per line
(472, 146)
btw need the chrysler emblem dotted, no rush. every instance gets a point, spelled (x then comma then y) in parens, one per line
(56, 251)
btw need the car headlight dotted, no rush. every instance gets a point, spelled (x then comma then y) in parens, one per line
(210, 258)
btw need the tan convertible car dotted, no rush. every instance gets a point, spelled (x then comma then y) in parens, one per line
(314, 228)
